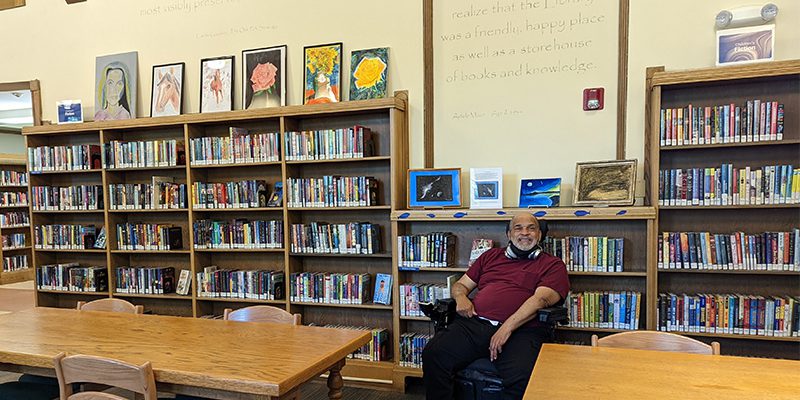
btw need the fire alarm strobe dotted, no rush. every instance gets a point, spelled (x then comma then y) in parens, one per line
(593, 99)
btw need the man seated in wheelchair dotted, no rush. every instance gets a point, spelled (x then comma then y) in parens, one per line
(513, 283)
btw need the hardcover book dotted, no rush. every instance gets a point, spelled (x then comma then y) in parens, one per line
(479, 246)
(276, 198)
(184, 282)
(383, 289)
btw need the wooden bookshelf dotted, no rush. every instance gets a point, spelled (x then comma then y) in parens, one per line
(15, 162)
(386, 118)
(773, 81)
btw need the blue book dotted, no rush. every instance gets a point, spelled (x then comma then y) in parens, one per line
(383, 289)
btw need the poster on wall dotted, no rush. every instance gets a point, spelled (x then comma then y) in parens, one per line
(166, 97)
(322, 73)
(216, 84)
(116, 76)
(746, 45)
(368, 73)
(264, 82)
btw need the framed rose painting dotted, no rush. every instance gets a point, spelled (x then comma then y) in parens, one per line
(368, 73)
(322, 73)
(264, 72)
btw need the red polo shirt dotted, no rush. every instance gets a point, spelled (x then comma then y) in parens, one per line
(504, 283)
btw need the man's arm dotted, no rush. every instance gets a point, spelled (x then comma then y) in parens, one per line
(459, 292)
(543, 297)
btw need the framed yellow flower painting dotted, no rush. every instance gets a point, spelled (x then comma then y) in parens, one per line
(264, 72)
(323, 73)
(368, 73)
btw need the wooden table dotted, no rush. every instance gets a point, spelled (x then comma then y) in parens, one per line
(582, 372)
(202, 357)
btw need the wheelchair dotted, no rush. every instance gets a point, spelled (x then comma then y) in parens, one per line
(480, 380)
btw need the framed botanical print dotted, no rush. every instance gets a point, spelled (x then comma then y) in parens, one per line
(368, 73)
(166, 96)
(264, 77)
(322, 73)
(216, 84)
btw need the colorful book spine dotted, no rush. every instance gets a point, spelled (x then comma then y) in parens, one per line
(430, 250)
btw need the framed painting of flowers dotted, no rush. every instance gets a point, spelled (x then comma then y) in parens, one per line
(264, 72)
(368, 73)
(322, 73)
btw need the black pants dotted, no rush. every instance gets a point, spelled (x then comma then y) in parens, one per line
(466, 340)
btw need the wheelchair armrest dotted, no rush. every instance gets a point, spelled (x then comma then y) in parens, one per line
(553, 315)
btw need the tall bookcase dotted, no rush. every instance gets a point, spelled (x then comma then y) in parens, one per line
(385, 118)
(635, 225)
(735, 86)
(11, 189)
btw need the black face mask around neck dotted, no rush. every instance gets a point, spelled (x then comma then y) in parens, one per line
(519, 253)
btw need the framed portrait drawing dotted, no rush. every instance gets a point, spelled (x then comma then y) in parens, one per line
(166, 96)
(368, 70)
(115, 86)
(322, 73)
(264, 77)
(216, 84)
(605, 183)
(434, 188)
(545, 192)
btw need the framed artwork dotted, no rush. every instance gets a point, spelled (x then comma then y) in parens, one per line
(486, 188)
(322, 73)
(216, 84)
(166, 96)
(545, 192)
(264, 77)
(116, 76)
(434, 188)
(368, 70)
(605, 183)
(746, 45)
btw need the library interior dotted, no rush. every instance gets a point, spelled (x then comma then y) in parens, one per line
(483, 200)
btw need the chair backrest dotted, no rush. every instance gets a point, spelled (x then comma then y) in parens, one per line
(111, 305)
(653, 340)
(105, 371)
(262, 314)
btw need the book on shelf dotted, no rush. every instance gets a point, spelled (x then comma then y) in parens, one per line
(429, 250)
(330, 144)
(383, 289)
(62, 236)
(184, 282)
(100, 240)
(144, 154)
(64, 158)
(238, 234)
(412, 294)
(145, 236)
(238, 194)
(330, 287)
(728, 185)
(239, 147)
(145, 280)
(346, 238)
(604, 309)
(72, 277)
(15, 263)
(67, 198)
(375, 350)
(588, 253)
(16, 218)
(258, 284)
(479, 246)
(276, 197)
(332, 191)
(411, 345)
(13, 178)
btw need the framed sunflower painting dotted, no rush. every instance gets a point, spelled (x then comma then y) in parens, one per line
(368, 75)
(323, 73)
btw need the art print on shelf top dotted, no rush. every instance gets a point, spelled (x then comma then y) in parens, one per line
(116, 76)
(264, 82)
(486, 188)
(216, 84)
(746, 45)
(322, 73)
(544, 192)
(166, 97)
(368, 73)
(434, 188)
(605, 183)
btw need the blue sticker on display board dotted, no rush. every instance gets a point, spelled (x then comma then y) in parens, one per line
(404, 215)
(622, 212)
(581, 213)
(431, 215)
(501, 213)
(540, 214)
(460, 215)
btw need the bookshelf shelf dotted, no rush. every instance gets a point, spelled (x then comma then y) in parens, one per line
(169, 296)
(69, 292)
(364, 208)
(90, 251)
(410, 318)
(13, 187)
(67, 212)
(146, 211)
(550, 214)
(241, 210)
(607, 274)
(431, 269)
(239, 250)
(340, 160)
(728, 272)
(364, 306)
(13, 207)
(743, 207)
(579, 329)
(77, 171)
(345, 255)
(793, 339)
(16, 248)
(789, 142)
(239, 300)
(238, 165)
(167, 168)
(14, 227)
(150, 252)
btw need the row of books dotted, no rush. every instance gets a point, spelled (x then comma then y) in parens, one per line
(332, 191)
(161, 194)
(239, 147)
(429, 250)
(67, 198)
(64, 158)
(13, 240)
(347, 238)
(376, 349)
(411, 346)
(148, 236)
(145, 153)
(238, 194)
(68, 237)
(768, 251)
(72, 277)
(588, 253)
(238, 234)
(260, 284)
(15, 263)
(604, 309)
(734, 314)
(329, 144)
(412, 294)
(13, 178)
(329, 287)
(15, 218)
(754, 121)
(145, 280)
(13, 199)
(726, 185)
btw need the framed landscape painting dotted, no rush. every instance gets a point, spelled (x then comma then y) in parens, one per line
(264, 82)
(368, 73)
(605, 183)
(545, 192)
(216, 84)
(322, 73)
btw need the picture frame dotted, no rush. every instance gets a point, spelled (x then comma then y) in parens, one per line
(434, 188)
(166, 93)
(69, 111)
(216, 84)
(115, 91)
(601, 183)
(486, 188)
(322, 73)
(264, 77)
(540, 192)
(745, 45)
(368, 73)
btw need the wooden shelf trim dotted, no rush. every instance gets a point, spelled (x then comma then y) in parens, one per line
(342, 255)
(150, 251)
(784, 142)
(237, 165)
(550, 214)
(245, 209)
(608, 330)
(340, 160)
(168, 296)
(734, 207)
(794, 339)
(91, 251)
(238, 250)
(76, 171)
(713, 74)
(367, 306)
(154, 210)
(240, 300)
(169, 167)
(71, 292)
(354, 208)
(67, 211)
(728, 272)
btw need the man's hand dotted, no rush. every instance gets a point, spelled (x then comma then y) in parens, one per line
(464, 307)
(498, 340)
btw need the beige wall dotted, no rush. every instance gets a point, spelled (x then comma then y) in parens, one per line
(57, 44)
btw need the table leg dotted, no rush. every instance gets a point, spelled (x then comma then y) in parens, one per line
(335, 382)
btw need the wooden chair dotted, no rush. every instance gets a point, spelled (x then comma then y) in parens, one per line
(653, 340)
(105, 371)
(110, 305)
(262, 314)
